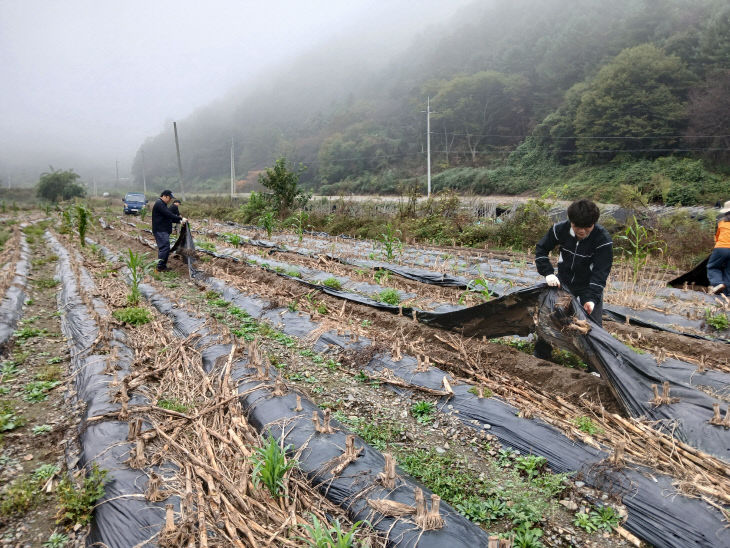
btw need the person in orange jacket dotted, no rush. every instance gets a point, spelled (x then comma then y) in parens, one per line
(718, 266)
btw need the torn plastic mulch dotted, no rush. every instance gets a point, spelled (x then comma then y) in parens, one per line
(358, 482)
(657, 512)
(681, 409)
(11, 306)
(697, 277)
(122, 518)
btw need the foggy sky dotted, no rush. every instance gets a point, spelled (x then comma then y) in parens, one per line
(84, 82)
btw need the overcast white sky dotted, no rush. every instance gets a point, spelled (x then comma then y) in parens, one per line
(94, 78)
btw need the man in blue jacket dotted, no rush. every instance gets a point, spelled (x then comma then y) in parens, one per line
(162, 219)
(584, 261)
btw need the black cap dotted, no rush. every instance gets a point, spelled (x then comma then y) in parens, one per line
(166, 193)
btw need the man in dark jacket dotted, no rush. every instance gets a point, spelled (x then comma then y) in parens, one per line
(584, 262)
(162, 219)
(176, 211)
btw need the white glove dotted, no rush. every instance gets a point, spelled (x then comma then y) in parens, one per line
(589, 306)
(184, 220)
(552, 280)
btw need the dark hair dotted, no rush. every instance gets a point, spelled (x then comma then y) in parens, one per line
(583, 213)
(176, 201)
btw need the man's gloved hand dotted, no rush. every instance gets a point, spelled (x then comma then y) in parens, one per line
(589, 306)
(552, 280)
(184, 220)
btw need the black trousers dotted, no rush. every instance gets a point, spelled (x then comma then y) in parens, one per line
(163, 247)
(544, 350)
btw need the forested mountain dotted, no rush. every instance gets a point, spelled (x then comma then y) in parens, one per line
(524, 92)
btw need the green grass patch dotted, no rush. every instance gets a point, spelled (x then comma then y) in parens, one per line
(423, 411)
(133, 315)
(46, 283)
(389, 296)
(332, 283)
(585, 424)
(173, 405)
(28, 333)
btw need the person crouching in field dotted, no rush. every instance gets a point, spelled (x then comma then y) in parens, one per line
(718, 266)
(584, 261)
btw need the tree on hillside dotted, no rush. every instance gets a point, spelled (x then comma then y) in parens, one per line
(57, 185)
(639, 94)
(709, 117)
(284, 184)
(485, 108)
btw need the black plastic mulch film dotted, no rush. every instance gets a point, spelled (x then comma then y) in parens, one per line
(12, 303)
(639, 318)
(122, 518)
(657, 512)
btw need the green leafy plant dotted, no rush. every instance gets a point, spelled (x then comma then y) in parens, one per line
(44, 472)
(271, 466)
(332, 282)
(143, 213)
(524, 536)
(138, 265)
(478, 286)
(77, 502)
(530, 465)
(207, 246)
(19, 496)
(423, 411)
(717, 320)
(234, 239)
(45, 283)
(322, 535)
(83, 218)
(390, 242)
(133, 315)
(41, 429)
(389, 296)
(28, 332)
(8, 419)
(299, 224)
(56, 540)
(268, 222)
(173, 405)
(37, 391)
(585, 424)
(585, 522)
(639, 245)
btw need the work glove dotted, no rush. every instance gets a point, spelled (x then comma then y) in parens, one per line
(184, 220)
(552, 280)
(589, 306)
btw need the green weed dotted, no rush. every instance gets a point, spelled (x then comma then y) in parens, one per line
(41, 429)
(271, 466)
(77, 501)
(389, 296)
(37, 391)
(28, 333)
(324, 536)
(423, 412)
(332, 283)
(56, 540)
(717, 320)
(133, 315)
(585, 424)
(173, 405)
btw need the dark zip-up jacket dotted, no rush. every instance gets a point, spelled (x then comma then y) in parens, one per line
(162, 217)
(174, 209)
(583, 265)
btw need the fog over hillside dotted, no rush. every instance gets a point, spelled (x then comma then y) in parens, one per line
(85, 82)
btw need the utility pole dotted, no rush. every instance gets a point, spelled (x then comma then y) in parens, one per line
(428, 145)
(233, 171)
(93, 181)
(179, 163)
(144, 177)
(117, 164)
